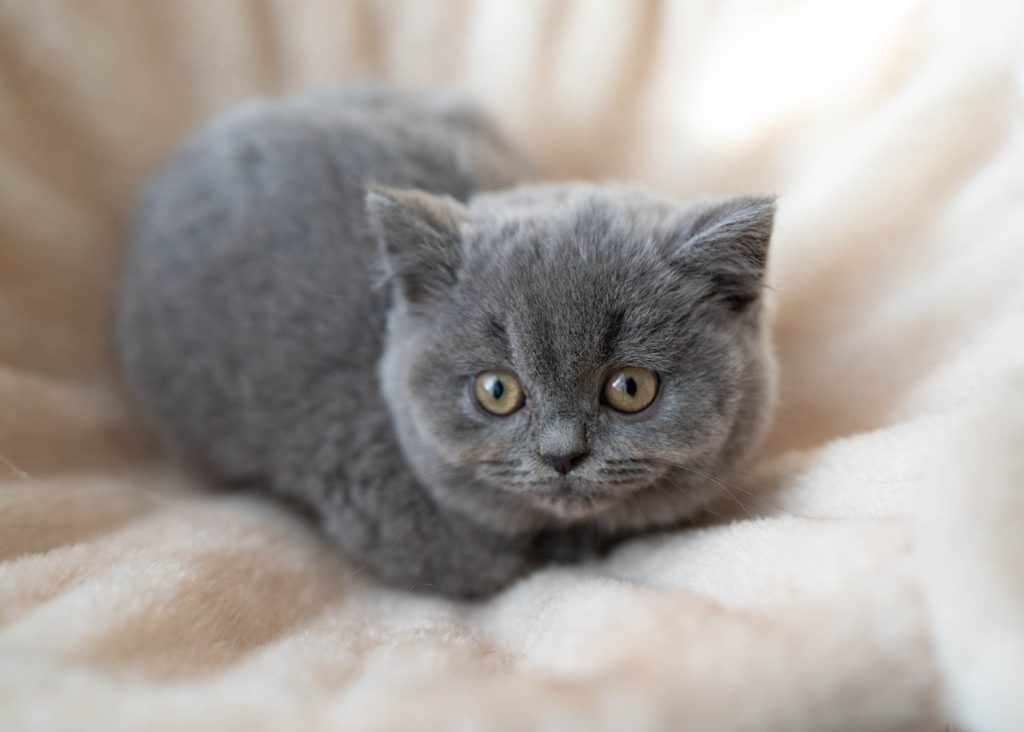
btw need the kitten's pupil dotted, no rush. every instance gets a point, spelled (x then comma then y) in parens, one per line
(631, 386)
(497, 389)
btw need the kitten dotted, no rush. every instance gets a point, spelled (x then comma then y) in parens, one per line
(340, 299)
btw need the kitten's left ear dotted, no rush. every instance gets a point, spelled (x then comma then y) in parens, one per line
(420, 238)
(727, 242)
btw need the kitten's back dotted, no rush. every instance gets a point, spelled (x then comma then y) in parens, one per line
(250, 280)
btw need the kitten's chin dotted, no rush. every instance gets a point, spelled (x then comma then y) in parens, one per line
(574, 502)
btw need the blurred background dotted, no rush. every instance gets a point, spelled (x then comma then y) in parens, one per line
(687, 94)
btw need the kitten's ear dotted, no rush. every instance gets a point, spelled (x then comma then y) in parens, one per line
(419, 237)
(728, 243)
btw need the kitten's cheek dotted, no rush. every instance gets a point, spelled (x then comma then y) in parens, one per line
(462, 438)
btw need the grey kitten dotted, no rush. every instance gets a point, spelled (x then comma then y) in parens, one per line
(329, 298)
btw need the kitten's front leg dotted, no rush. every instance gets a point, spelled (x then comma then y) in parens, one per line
(410, 542)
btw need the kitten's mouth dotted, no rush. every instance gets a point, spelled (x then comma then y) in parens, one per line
(576, 495)
(579, 498)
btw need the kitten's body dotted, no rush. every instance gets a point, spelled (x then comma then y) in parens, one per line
(257, 335)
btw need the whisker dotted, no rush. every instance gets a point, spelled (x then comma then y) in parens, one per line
(663, 487)
(444, 466)
(682, 491)
(729, 487)
(773, 504)
(713, 512)
(624, 471)
(15, 470)
(431, 473)
(724, 486)
(636, 503)
(505, 473)
(720, 484)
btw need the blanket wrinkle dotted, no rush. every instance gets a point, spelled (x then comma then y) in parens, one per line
(863, 575)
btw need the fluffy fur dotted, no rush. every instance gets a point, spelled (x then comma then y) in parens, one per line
(291, 248)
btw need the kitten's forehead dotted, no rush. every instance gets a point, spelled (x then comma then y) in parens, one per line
(567, 296)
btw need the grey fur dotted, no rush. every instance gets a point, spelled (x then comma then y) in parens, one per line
(287, 330)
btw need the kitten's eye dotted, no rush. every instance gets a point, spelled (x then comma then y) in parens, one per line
(499, 392)
(631, 389)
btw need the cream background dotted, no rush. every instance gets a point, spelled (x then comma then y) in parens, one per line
(874, 579)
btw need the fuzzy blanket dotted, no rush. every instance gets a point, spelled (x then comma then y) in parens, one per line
(866, 574)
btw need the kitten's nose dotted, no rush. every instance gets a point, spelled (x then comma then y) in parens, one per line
(564, 464)
(563, 444)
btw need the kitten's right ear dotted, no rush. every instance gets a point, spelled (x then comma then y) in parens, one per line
(420, 238)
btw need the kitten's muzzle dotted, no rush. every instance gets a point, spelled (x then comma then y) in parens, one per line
(566, 463)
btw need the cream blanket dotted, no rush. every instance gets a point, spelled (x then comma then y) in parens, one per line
(869, 574)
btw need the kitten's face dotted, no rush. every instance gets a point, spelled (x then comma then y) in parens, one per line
(573, 345)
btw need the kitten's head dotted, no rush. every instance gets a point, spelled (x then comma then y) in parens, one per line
(574, 346)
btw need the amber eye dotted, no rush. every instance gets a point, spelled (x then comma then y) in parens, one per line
(631, 389)
(499, 392)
